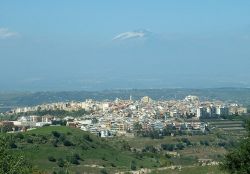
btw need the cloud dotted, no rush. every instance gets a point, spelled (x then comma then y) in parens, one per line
(6, 33)
(132, 35)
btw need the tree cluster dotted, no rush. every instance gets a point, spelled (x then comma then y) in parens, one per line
(237, 161)
(11, 163)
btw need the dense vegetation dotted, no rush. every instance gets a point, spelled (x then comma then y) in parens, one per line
(237, 161)
(10, 162)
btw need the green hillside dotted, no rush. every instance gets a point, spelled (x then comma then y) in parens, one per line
(58, 148)
(61, 149)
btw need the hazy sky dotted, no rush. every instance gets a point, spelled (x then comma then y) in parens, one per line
(80, 44)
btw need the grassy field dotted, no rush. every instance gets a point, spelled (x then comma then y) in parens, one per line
(62, 129)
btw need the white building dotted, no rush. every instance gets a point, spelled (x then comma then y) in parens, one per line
(201, 112)
(222, 110)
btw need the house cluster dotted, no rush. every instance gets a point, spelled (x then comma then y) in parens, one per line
(118, 117)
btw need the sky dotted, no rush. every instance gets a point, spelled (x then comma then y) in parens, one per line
(95, 45)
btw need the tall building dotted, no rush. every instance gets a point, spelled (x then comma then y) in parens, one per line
(211, 111)
(222, 110)
(201, 112)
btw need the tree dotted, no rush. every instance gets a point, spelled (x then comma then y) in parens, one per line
(51, 158)
(11, 163)
(67, 143)
(180, 146)
(87, 137)
(103, 171)
(133, 165)
(73, 159)
(237, 161)
(6, 128)
(56, 134)
(169, 147)
(60, 162)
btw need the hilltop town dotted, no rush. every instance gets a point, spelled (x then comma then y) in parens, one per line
(124, 117)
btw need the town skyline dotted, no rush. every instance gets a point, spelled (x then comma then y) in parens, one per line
(118, 117)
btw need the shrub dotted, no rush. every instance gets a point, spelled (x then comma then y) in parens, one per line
(72, 159)
(54, 143)
(169, 147)
(88, 138)
(167, 156)
(20, 135)
(206, 143)
(84, 147)
(186, 140)
(29, 140)
(133, 165)
(56, 134)
(103, 171)
(12, 145)
(51, 158)
(104, 159)
(222, 144)
(113, 165)
(44, 138)
(60, 162)
(180, 146)
(62, 137)
(67, 143)
(76, 156)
